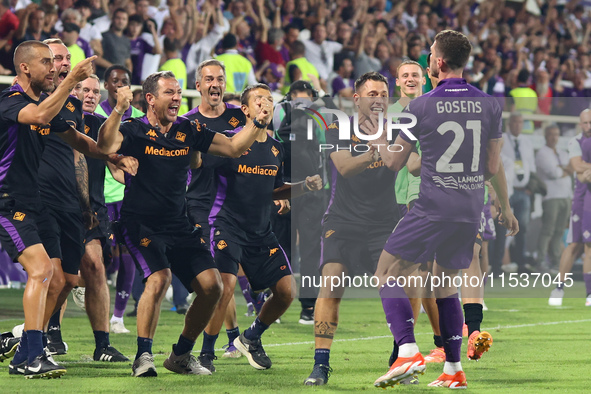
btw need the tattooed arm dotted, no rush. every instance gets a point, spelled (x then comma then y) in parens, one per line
(81, 170)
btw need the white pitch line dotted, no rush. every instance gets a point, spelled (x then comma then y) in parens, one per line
(430, 333)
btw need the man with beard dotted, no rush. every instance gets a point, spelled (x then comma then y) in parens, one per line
(444, 220)
(217, 116)
(63, 181)
(154, 224)
(359, 219)
(26, 114)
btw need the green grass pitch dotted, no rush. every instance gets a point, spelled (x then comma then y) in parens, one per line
(536, 348)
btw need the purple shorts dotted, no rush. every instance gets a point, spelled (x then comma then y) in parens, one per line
(575, 227)
(419, 240)
(487, 224)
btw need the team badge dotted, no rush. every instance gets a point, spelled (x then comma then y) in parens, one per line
(19, 216)
(222, 244)
(273, 251)
(328, 233)
(181, 136)
(145, 242)
(234, 122)
(70, 107)
(86, 129)
(275, 151)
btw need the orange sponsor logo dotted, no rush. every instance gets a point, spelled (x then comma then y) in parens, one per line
(19, 216)
(222, 244)
(181, 136)
(234, 122)
(328, 233)
(273, 251)
(152, 133)
(275, 151)
(40, 130)
(145, 242)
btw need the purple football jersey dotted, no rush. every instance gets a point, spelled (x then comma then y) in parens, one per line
(454, 123)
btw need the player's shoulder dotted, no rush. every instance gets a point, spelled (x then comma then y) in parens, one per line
(75, 102)
(14, 92)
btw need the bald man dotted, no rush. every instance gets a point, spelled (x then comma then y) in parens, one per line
(27, 116)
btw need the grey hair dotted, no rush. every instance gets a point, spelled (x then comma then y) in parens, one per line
(206, 63)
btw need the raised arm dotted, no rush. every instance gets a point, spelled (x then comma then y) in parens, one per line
(109, 138)
(43, 113)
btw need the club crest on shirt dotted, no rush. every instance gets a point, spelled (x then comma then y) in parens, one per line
(86, 129)
(145, 242)
(273, 251)
(70, 107)
(180, 136)
(19, 216)
(275, 151)
(234, 122)
(222, 244)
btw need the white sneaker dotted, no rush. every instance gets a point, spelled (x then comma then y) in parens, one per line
(117, 327)
(588, 301)
(144, 366)
(510, 268)
(17, 331)
(556, 298)
(78, 294)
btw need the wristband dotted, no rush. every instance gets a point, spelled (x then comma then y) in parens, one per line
(259, 125)
(120, 113)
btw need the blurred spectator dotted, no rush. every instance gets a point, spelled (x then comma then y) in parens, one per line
(519, 162)
(292, 34)
(209, 30)
(69, 36)
(139, 46)
(89, 32)
(320, 52)
(554, 168)
(239, 71)
(173, 62)
(366, 61)
(272, 75)
(139, 102)
(31, 25)
(299, 68)
(525, 99)
(8, 26)
(343, 85)
(270, 46)
(116, 46)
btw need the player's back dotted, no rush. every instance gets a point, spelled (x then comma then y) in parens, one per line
(454, 123)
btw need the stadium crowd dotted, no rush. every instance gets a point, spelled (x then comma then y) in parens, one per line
(532, 56)
(536, 52)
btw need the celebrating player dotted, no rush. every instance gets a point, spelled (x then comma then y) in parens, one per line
(241, 226)
(445, 218)
(154, 224)
(353, 215)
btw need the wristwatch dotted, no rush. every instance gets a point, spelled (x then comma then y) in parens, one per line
(259, 125)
